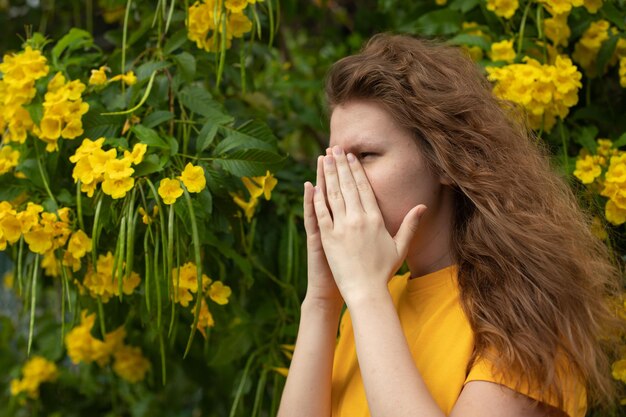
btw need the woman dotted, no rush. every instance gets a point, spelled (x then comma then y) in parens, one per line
(505, 301)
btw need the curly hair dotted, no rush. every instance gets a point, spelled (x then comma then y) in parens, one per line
(534, 282)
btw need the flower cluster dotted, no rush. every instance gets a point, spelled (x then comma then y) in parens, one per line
(213, 21)
(129, 364)
(63, 108)
(185, 282)
(193, 178)
(545, 91)
(94, 165)
(103, 281)
(605, 172)
(587, 48)
(257, 187)
(34, 373)
(17, 88)
(44, 233)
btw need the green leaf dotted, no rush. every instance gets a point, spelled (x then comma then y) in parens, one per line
(97, 125)
(144, 71)
(156, 118)
(613, 14)
(150, 164)
(175, 41)
(76, 38)
(259, 130)
(187, 65)
(117, 142)
(206, 136)
(234, 142)
(437, 22)
(606, 52)
(35, 109)
(199, 101)
(621, 141)
(463, 6)
(250, 162)
(470, 40)
(587, 138)
(150, 137)
(30, 168)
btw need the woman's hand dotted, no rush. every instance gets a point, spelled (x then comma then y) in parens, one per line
(321, 286)
(361, 253)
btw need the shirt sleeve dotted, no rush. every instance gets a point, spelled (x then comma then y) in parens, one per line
(574, 393)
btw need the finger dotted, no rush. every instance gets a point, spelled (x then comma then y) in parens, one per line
(320, 174)
(310, 221)
(324, 221)
(407, 229)
(363, 186)
(346, 182)
(333, 189)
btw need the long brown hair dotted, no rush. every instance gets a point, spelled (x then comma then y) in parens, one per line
(534, 281)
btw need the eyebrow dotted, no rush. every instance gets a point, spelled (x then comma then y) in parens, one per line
(360, 143)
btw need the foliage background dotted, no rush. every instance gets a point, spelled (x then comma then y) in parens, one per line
(236, 370)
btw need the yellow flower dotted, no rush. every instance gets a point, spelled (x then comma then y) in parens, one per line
(236, 6)
(619, 370)
(103, 283)
(117, 187)
(39, 240)
(145, 217)
(587, 170)
(262, 185)
(219, 292)
(117, 169)
(248, 207)
(129, 78)
(79, 244)
(503, 51)
(170, 190)
(557, 30)
(130, 364)
(136, 156)
(8, 159)
(99, 76)
(79, 342)
(238, 25)
(280, 370)
(86, 148)
(186, 282)
(193, 178)
(205, 319)
(35, 372)
(593, 6)
(614, 214)
(503, 8)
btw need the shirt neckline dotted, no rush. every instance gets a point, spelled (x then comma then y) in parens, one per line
(433, 279)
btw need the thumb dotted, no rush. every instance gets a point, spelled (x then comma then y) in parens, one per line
(408, 228)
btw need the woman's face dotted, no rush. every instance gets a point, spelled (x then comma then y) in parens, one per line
(391, 159)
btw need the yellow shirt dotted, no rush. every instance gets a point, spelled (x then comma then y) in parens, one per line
(440, 340)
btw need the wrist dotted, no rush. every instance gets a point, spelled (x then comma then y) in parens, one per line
(326, 306)
(368, 297)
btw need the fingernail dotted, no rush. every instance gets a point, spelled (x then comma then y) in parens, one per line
(328, 160)
(337, 150)
(351, 157)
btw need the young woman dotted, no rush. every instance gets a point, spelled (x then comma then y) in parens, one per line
(505, 303)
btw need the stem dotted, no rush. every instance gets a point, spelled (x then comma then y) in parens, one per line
(43, 177)
(522, 27)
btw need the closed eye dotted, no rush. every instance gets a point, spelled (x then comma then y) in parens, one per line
(363, 155)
